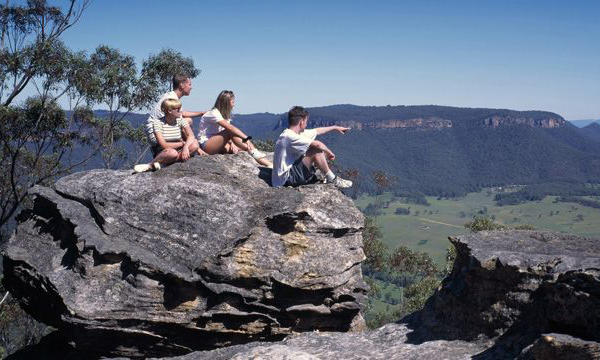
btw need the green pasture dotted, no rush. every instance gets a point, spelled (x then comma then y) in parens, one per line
(427, 228)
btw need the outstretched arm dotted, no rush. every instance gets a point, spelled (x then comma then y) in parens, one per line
(232, 129)
(191, 114)
(326, 129)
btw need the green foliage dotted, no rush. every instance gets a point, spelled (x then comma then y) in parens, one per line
(405, 268)
(402, 211)
(264, 145)
(481, 223)
(375, 250)
(405, 260)
(450, 258)
(379, 318)
(537, 192)
(158, 71)
(579, 200)
(418, 293)
(37, 142)
(34, 140)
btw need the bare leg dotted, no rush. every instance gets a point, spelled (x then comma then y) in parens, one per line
(316, 157)
(248, 146)
(217, 143)
(167, 157)
(194, 146)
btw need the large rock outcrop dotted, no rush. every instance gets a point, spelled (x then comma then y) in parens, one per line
(205, 255)
(511, 295)
(198, 255)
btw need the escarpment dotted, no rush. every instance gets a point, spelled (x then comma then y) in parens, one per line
(198, 255)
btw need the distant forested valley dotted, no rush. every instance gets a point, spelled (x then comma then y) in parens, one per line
(446, 161)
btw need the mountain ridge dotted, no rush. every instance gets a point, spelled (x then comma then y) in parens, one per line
(442, 150)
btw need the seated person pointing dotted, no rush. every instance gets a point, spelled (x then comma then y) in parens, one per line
(297, 153)
(166, 141)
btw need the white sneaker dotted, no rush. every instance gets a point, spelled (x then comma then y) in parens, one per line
(146, 167)
(340, 183)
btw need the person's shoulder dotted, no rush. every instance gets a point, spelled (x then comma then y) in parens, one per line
(170, 95)
(213, 114)
(287, 133)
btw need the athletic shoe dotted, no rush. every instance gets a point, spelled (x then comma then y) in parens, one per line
(146, 167)
(340, 183)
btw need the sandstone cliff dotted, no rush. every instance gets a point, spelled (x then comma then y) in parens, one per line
(198, 255)
(205, 255)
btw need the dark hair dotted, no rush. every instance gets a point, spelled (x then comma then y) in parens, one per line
(178, 79)
(296, 114)
(223, 103)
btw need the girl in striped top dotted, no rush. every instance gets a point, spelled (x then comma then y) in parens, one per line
(165, 135)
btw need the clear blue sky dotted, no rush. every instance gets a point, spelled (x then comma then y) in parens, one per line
(524, 55)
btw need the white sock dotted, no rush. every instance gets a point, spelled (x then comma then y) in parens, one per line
(330, 175)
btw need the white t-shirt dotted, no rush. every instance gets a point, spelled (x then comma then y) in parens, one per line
(289, 147)
(208, 125)
(156, 112)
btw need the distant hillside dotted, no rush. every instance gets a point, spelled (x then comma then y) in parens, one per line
(444, 151)
(448, 151)
(591, 131)
(583, 123)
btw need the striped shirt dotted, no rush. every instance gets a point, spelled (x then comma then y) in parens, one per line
(171, 133)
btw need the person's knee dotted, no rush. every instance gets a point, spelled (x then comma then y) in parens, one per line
(194, 146)
(170, 153)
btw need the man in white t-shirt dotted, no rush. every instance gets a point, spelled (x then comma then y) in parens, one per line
(297, 153)
(182, 86)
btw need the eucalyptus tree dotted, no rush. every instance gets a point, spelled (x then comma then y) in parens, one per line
(33, 138)
(38, 143)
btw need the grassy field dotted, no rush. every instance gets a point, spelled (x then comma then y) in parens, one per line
(427, 228)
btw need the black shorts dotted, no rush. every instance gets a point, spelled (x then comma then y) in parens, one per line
(300, 174)
(156, 149)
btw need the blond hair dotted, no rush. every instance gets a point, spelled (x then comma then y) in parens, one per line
(170, 104)
(223, 103)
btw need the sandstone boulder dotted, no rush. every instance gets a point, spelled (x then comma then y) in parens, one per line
(198, 255)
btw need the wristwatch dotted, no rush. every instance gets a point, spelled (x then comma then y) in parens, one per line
(247, 138)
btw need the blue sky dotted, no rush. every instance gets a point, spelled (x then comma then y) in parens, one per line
(524, 55)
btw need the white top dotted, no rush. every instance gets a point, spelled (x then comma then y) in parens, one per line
(156, 112)
(171, 133)
(208, 126)
(289, 147)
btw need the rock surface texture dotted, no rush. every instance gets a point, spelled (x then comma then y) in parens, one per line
(199, 255)
(203, 260)
(514, 294)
